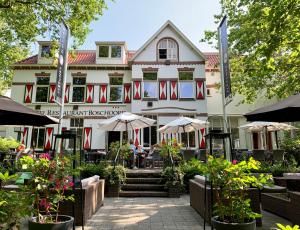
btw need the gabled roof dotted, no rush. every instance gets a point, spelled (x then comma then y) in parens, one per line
(168, 23)
(213, 60)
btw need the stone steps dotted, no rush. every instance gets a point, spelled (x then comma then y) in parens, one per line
(143, 183)
(143, 187)
(139, 180)
(143, 194)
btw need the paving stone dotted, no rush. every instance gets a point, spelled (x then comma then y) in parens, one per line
(156, 214)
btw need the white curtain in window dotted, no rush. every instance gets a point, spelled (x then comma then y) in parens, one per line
(171, 47)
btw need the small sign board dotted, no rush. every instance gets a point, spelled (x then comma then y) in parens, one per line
(223, 41)
(61, 66)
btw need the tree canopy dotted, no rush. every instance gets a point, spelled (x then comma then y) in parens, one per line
(22, 21)
(264, 45)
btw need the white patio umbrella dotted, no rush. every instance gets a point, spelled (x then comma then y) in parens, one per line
(270, 126)
(126, 121)
(183, 125)
(264, 126)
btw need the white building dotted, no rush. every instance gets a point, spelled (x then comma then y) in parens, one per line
(166, 78)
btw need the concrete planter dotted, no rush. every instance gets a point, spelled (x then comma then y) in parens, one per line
(113, 190)
(174, 191)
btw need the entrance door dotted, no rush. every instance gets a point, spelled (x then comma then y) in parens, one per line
(113, 136)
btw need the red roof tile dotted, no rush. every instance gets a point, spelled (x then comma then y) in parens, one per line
(89, 58)
(212, 60)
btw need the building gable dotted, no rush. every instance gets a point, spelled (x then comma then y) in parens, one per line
(187, 51)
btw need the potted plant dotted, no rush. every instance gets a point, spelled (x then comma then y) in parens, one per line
(171, 147)
(230, 181)
(173, 178)
(114, 177)
(13, 205)
(50, 180)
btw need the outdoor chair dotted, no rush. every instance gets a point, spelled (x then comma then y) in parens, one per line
(156, 159)
(188, 154)
(258, 154)
(278, 155)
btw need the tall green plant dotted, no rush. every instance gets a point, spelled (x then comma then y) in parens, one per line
(7, 143)
(231, 182)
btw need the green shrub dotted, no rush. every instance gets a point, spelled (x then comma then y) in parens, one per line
(291, 147)
(277, 169)
(172, 177)
(91, 169)
(190, 169)
(114, 175)
(7, 143)
(288, 227)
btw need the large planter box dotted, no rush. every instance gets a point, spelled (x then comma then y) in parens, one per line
(113, 190)
(174, 191)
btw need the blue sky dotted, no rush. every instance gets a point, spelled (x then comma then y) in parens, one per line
(135, 21)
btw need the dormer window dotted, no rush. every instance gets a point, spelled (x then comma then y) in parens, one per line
(104, 51)
(116, 51)
(167, 49)
(46, 51)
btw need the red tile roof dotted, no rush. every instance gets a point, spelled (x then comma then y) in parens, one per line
(89, 58)
(213, 60)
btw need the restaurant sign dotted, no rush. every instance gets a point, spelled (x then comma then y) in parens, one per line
(83, 113)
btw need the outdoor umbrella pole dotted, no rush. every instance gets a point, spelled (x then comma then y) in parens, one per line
(276, 138)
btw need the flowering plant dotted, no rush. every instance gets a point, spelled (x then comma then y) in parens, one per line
(172, 147)
(230, 181)
(50, 180)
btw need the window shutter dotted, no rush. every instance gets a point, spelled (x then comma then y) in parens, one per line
(163, 90)
(200, 90)
(137, 137)
(24, 136)
(67, 93)
(87, 138)
(173, 90)
(48, 141)
(103, 94)
(28, 93)
(137, 90)
(202, 138)
(127, 93)
(52, 93)
(89, 94)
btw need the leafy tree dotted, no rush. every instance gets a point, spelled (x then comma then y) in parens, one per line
(264, 43)
(22, 21)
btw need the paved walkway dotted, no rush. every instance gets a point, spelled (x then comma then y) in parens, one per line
(155, 214)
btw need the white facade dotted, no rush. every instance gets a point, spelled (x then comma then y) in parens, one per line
(110, 80)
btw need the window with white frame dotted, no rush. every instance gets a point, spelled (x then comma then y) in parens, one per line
(46, 51)
(103, 51)
(38, 138)
(115, 89)
(186, 85)
(150, 89)
(42, 88)
(79, 85)
(116, 51)
(150, 133)
(167, 49)
(76, 125)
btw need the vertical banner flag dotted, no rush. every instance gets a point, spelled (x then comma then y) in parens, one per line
(61, 66)
(223, 42)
